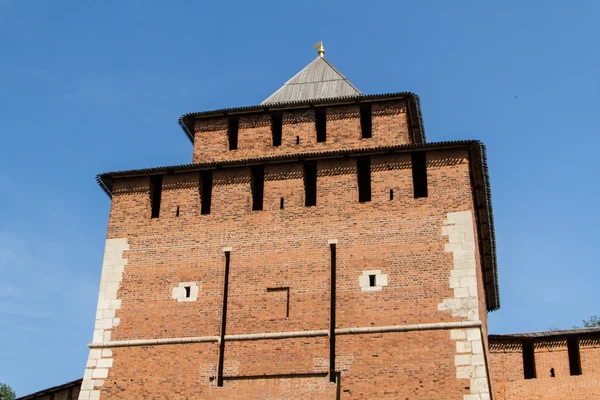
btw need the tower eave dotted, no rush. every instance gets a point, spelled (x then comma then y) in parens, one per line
(414, 109)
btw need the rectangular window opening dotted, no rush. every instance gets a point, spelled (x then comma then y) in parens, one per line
(206, 179)
(155, 193)
(310, 183)
(419, 172)
(372, 280)
(188, 290)
(258, 187)
(276, 128)
(366, 121)
(177, 212)
(321, 124)
(281, 203)
(528, 360)
(297, 139)
(574, 358)
(232, 132)
(391, 194)
(363, 168)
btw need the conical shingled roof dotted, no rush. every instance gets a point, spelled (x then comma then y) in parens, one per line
(318, 80)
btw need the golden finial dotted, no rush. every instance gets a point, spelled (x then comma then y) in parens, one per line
(320, 47)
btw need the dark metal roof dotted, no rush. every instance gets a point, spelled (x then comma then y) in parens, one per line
(479, 174)
(482, 194)
(105, 179)
(547, 334)
(54, 389)
(318, 80)
(414, 110)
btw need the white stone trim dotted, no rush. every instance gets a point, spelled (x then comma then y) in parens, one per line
(332, 241)
(469, 359)
(364, 282)
(178, 292)
(227, 249)
(292, 334)
(100, 361)
(148, 342)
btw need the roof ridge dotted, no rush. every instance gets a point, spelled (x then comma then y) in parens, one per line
(341, 75)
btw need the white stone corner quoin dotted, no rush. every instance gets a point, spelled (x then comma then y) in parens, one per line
(100, 361)
(469, 359)
(179, 292)
(364, 281)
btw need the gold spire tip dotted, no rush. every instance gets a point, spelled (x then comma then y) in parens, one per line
(321, 49)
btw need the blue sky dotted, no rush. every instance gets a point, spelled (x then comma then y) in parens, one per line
(88, 87)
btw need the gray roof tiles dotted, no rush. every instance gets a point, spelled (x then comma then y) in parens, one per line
(547, 334)
(318, 80)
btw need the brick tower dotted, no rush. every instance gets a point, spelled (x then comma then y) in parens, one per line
(317, 247)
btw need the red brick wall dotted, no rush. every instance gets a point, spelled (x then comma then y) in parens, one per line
(278, 248)
(161, 372)
(507, 371)
(409, 365)
(211, 143)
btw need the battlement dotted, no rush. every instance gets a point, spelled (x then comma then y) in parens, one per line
(545, 365)
(278, 129)
(294, 183)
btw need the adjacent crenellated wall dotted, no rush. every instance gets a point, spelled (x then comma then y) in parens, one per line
(553, 376)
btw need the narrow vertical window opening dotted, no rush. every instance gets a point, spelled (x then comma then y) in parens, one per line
(310, 183)
(363, 167)
(391, 194)
(366, 125)
(276, 128)
(372, 280)
(528, 360)
(419, 172)
(281, 203)
(206, 179)
(177, 212)
(552, 374)
(321, 124)
(574, 357)
(188, 292)
(232, 130)
(258, 187)
(297, 139)
(155, 193)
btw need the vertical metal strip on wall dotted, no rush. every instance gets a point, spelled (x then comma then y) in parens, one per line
(223, 320)
(332, 375)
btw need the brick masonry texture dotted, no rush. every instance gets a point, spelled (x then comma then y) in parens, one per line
(506, 363)
(469, 360)
(343, 132)
(276, 251)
